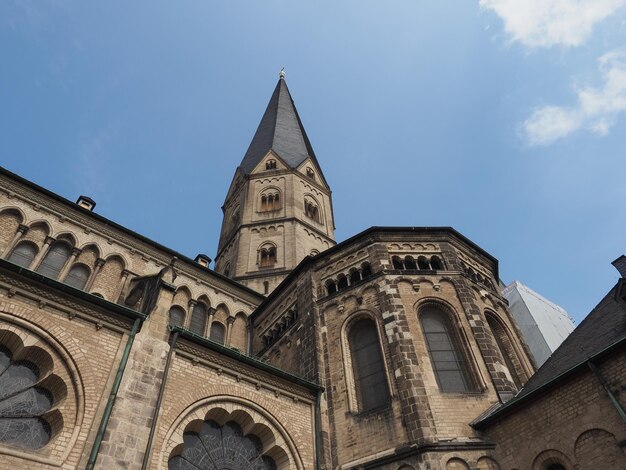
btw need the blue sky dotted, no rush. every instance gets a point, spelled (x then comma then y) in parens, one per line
(501, 118)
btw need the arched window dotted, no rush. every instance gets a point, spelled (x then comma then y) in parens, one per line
(368, 367)
(422, 263)
(366, 270)
(446, 354)
(78, 275)
(218, 332)
(23, 403)
(355, 276)
(310, 173)
(198, 319)
(311, 210)
(54, 260)
(331, 287)
(342, 282)
(23, 254)
(409, 263)
(504, 345)
(270, 201)
(215, 447)
(397, 262)
(267, 256)
(435, 263)
(270, 165)
(177, 316)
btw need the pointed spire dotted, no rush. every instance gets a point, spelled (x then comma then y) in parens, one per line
(280, 130)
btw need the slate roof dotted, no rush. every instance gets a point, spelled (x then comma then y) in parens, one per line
(603, 329)
(280, 130)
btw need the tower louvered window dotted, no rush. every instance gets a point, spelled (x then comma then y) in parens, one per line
(368, 367)
(267, 256)
(446, 354)
(54, 260)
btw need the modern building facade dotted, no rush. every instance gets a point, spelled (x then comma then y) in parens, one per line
(393, 349)
(543, 324)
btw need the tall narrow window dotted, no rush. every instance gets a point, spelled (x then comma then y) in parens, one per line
(409, 263)
(23, 254)
(78, 275)
(504, 345)
(177, 316)
(368, 367)
(435, 263)
(54, 260)
(397, 262)
(446, 355)
(422, 263)
(218, 332)
(197, 323)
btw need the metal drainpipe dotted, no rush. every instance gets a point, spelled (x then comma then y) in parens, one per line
(116, 386)
(155, 415)
(318, 431)
(612, 397)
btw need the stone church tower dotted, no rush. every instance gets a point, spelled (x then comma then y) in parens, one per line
(278, 209)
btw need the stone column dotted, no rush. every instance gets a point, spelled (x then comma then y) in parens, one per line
(99, 263)
(21, 230)
(68, 264)
(122, 285)
(44, 249)
(211, 316)
(229, 329)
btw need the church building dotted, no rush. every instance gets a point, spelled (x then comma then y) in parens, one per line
(393, 349)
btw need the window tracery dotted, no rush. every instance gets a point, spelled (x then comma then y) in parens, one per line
(216, 447)
(22, 403)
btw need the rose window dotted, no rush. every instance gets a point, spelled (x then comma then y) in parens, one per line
(22, 404)
(216, 447)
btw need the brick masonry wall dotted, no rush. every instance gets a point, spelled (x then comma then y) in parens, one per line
(85, 347)
(229, 385)
(575, 420)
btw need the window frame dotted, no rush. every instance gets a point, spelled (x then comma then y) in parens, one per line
(460, 343)
(351, 386)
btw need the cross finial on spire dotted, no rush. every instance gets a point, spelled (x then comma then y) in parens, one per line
(281, 74)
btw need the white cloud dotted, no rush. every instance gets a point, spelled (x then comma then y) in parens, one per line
(546, 23)
(596, 108)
